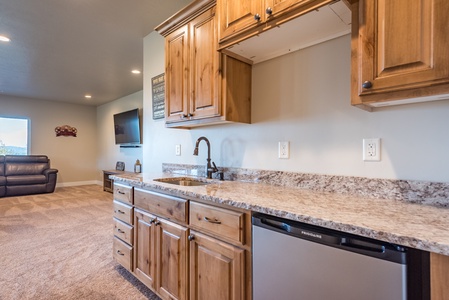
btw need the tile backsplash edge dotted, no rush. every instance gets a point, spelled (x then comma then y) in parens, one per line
(422, 192)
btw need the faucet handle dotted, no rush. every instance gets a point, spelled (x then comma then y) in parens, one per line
(219, 172)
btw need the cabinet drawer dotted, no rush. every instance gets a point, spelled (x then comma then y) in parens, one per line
(122, 253)
(224, 223)
(123, 212)
(123, 231)
(169, 207)
(123, 193)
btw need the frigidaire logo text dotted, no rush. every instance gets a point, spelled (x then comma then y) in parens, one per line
(315, 235)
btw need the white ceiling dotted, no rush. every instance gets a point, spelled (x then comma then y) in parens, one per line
(61, 50)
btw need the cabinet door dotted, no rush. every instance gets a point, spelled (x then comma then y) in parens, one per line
(144, 247)
(205, 68)
(402, 45)
(217, 269)
(237, 16)
(281, 7)
(172, 276)
(176, 74)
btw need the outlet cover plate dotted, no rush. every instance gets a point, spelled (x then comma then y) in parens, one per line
(284, 150)
(371, 149)
(178, 150)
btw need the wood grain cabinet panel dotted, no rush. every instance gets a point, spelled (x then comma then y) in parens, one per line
(122, 212)
(242, 19)
(439, 276)
(123, 193)
(176, 74)
(122, 253)
(123, 231)
(224, 223)
(200, 81)
(172, 208)
(144, 247)
(399, 50)
(217, 269)
(172, 275)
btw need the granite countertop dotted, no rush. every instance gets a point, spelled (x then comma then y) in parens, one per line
(418, 226)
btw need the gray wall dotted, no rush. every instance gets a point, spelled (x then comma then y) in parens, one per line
(74, 157)
(304, 98)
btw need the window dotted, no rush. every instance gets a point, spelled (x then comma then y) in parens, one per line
(13, 136)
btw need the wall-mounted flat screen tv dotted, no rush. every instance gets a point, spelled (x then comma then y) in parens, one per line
(127, 127)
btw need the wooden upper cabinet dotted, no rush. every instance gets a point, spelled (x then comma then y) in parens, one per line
(202, 85)
(241, 19)
(399, 50)
(205, 66)
(176, 74)
(237, 16)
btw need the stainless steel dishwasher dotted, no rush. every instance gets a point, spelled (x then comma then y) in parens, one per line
(296, 261)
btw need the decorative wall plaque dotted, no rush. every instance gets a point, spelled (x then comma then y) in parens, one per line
(66, 130)
(158, 88)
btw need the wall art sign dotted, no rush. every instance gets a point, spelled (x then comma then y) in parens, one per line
(158, 88)
(66, 130)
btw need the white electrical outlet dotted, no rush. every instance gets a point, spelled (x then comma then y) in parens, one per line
(178, 150)
(284, 150)
(371, 149)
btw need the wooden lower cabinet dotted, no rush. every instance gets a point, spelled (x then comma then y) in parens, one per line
(144, 247)
(171, 253)
(439, 277)
(160, 255)
(217, 269)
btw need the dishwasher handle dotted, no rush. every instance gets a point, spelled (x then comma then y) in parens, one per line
(297, 231)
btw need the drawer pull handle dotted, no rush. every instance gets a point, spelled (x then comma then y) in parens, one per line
(119, 230)
(120, 192)
(120, 253)
(120, 211)
(213, 221)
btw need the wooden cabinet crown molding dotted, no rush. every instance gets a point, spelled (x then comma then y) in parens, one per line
(184, 16)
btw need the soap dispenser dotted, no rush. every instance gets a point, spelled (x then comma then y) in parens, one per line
(137, 167)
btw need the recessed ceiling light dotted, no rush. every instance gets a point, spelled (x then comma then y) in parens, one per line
(87, 96)
(4, 38)
(135, 71)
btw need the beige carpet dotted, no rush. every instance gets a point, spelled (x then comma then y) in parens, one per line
(59, 246)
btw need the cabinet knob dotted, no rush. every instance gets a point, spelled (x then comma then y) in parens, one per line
(257, 17)
(190, 116)
(367, 85)
(269, 11)
(191, 237)
(183, 116)
(157, 222)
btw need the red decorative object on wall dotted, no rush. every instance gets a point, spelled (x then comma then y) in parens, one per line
(65, 130)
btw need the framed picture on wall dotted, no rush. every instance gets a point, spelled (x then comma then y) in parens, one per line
(158, 89)
(120, 166)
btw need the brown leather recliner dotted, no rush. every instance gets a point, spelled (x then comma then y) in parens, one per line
(26, 174)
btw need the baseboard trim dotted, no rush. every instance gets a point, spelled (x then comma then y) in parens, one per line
(77, 183)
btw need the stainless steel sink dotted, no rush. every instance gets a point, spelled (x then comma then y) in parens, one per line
(183, 181)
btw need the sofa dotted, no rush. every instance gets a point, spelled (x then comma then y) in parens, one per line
(25, 175)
